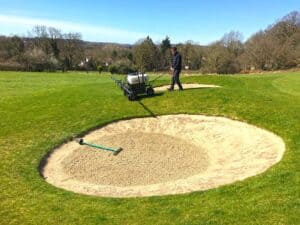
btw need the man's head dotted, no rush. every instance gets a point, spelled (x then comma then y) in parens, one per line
(174, 50)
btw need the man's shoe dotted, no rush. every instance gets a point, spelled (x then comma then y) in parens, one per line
(170, 89)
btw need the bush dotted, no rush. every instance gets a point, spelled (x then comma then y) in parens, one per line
(113, 69)
(100, 69)
(11, 66)
(37, 60)
(121, 68)
(124, 69)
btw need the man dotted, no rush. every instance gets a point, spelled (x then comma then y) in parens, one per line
(176, 68)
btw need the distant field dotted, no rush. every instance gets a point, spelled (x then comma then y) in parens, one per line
(39, 111)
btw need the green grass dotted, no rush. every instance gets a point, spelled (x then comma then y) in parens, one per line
(39, 111)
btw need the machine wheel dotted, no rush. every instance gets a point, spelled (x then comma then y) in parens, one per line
(131, 97)
(150, 91)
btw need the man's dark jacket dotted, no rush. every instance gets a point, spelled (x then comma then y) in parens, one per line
(176, 64)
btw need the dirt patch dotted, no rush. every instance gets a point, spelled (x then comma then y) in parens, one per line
(185, 87)
(164, 155)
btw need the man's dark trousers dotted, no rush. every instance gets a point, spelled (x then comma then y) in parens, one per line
(175, 80)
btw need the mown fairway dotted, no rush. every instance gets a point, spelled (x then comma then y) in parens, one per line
(39, 111)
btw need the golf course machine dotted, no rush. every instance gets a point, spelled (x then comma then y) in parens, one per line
(135, 84)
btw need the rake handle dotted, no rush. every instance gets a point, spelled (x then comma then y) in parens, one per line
(82, 142)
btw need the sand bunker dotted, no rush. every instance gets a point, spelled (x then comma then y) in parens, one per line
(185, 86)
(164, 155)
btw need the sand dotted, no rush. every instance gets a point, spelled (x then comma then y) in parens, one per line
(166, 155)
(185, 87)
(143, 166)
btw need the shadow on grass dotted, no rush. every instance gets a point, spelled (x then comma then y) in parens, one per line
(152, 114)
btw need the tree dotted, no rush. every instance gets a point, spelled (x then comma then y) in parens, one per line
(37, 60)
(71, 50)
(165, 45)
(47, 40)
(129, 56)
(146, 55)
(166, 56)
(283, 35)
(114, 54)
(55, 36)
(15, 47)
(192, 55)
(220, 59)
(186, 51)
(233, 42)
(276, 47)
(258, 51)
(47, 48)
(223, 55)
(41, 39)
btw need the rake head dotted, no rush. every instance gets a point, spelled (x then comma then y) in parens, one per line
(117, 151)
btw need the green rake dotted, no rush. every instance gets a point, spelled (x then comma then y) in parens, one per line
(115, 151)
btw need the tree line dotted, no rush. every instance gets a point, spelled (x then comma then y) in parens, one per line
(48, 49)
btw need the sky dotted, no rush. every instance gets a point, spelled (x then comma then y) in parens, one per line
(202, 21)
